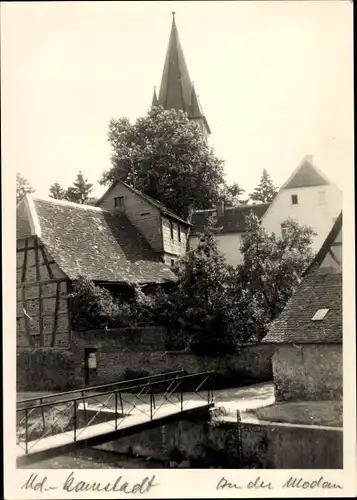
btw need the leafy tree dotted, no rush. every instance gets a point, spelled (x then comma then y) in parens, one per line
(265, 192)
(231, 195)
(57, 192)
(272, 266)
(165, 156)
(22, 187)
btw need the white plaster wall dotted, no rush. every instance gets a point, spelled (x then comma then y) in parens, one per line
(229, 244)
(309, 211)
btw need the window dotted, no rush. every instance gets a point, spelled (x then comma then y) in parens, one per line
(320, 314)
(171, 229)
(179, 232)
(294, 199)
(322, 198)
(119, 201)
(172, 262)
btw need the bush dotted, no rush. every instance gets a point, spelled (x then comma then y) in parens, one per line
(45, 369)
(93, 307)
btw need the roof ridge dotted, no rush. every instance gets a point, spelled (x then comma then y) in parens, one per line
(69, 203)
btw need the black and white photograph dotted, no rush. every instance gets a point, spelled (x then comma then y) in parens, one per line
(184, 206)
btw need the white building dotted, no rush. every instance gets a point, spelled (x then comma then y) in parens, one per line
(307, 197)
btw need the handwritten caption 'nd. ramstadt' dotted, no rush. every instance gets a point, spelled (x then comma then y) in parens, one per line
(73, 484)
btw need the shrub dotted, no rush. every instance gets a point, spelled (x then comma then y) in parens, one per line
(93, 307)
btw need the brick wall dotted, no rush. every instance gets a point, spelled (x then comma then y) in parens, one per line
(308, 372)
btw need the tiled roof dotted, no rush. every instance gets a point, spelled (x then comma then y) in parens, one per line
(100, 245)
(320, 289)
(234, 219)
(306, 176)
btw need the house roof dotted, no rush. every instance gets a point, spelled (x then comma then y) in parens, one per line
(321, 289)
(233, 220)
(306, 175)
(162, 208)
(89, 241)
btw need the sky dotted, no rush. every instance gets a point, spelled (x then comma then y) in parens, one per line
(275, 80)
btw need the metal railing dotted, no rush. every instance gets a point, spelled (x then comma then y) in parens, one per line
(120, 400)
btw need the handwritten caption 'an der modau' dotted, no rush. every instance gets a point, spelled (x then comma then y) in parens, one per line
(72, 484)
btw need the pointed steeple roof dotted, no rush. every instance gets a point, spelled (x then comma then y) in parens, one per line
(155, 101)
(176, 90)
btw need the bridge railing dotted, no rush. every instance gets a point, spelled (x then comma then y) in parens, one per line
(74, 411)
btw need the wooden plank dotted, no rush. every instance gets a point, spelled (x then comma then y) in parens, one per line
(27, 325)
(45, 282)
(47, 264)
(23, 277)
(55, 318)
(38, 274)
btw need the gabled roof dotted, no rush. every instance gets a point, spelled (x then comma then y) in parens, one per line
(306, 175)
(164, 210)
(234, 219)
(176, 89)
(89, 241)
(321, 289)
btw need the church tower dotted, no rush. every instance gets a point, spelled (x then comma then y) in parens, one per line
(177, 90)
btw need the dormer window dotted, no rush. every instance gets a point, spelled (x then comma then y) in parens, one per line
(119, 202)
(294, 199)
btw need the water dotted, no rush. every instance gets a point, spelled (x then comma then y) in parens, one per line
(90, 458)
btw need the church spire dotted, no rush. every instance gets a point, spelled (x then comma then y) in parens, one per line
(176, 90)
(155, 101)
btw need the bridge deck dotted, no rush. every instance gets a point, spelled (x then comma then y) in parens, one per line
(104, 432)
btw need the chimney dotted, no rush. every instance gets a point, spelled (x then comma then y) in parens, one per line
(220, 209)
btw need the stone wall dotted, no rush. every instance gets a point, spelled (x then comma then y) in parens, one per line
(308, 372)
(264, 445)
(141, 351)
(133, 352)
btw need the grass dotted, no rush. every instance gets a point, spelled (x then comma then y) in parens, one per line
(328, 413)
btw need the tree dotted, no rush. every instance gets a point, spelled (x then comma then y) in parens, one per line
(57, 192)
(197, 308)
(165, 156)
(78, 193)
(265, 192)
(22, 187)
(82, 188)
(272, 266)
(231, 195)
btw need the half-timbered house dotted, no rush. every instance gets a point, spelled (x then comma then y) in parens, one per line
(58, 241)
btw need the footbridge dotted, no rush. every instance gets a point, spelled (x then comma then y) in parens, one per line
(55, 424)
